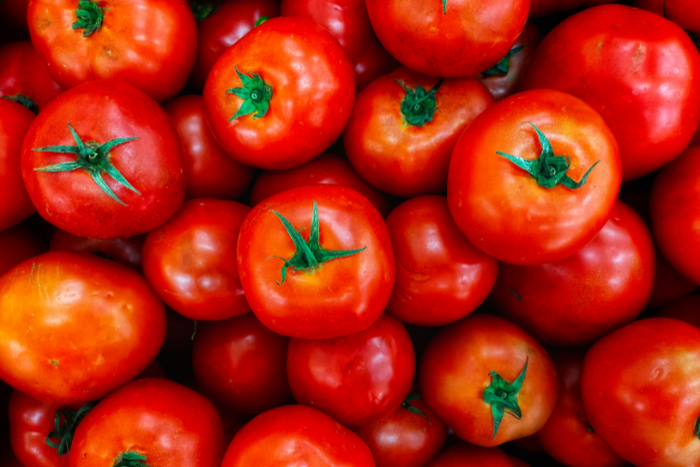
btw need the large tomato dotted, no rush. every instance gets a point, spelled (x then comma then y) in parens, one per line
(74, 327)
(103, 160)
(150, 44)
(534, 178)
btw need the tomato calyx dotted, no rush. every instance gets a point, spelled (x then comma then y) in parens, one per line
(502, 396)
(419, 106)
(444, 6)
(503, 66)
(90, 16)
(27, 102)
(696, 428)
(130, 459)
(203, 9)
(309, 255)
(261, 20)
(406, 405)
(581, 417)
(256, 95)
(548, 170)
(64, 432)
(93, 158)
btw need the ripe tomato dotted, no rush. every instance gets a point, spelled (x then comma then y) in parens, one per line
(295, 435)
(639, 70)
(464, 455)
(524, 219)
(17, 244)
(126, 251)
(75, 327)
(152, 422)
(685, 13)
(488, 380)
(645, 376)
(440, 276)
(100, 128)
(281, 95)
(150, 44)
(332, 278)
(404, 127)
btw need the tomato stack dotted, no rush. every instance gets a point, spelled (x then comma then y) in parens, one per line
(325, 233)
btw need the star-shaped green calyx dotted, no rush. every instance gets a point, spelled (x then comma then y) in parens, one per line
(90, 16)
(256, 95)
(503, 66)
(309, 255)
(64, 432)
(418, 105)
(549, 170)
(502, 396)
(130, 459)
(444, 6)
(93, 158)
(406, 404)
(25, 101)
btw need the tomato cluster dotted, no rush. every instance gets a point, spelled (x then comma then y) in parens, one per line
(349, 233)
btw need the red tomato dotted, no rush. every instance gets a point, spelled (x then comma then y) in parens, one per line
(155, 421)
(645, 376)
(150, 44)
(211, 173)
(637, 69)
(523, 219)
(17, 244)
(655, 6)
(685, 13)
(582, 298)
(126, 251)
(567, 436)
(464, 455)
(103, 128)
(343, 282)
(404, 127)
(15, 121)
(189, 260)
(242, 364)
(295, 435)
(440, 276)
(76, 327)
(224, 27)
(290, 88)
(488, 380)
(358, 379)
(451, 38)
(684, 309)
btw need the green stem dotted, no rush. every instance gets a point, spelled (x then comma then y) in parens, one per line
(406, 405)
(418, 105)
(25, 101)
(503, 66)
(256, 95)
(130, 459)
(90, 16)
(502, 396)
(65, 432)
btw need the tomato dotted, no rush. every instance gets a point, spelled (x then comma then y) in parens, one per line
(524, 219)
(24, 78)
(222, 28)
(440, 276)
(295, 435)
(211, 173)
(15, 121)
(645, 376)
(343, 282)
(241, 364)
(567, 436)
(451, 38)
(358, 379)
(150, 44)
(582, 298)
(126, 251)
(326, 169)
(409, 437)
(642, 64)
(488, 380)
(347, 21)
(684, 309)
(189, 260)
(103, 128)
(464, 455)
(153, 420)
(75, 327)
(685, 13)
(290, 101)
(655, 6)
(17, 244)
(404, 127)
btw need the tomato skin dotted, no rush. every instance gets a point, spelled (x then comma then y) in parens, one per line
(211, 173)
(344, 295)
(644, 376)
(533, 225)
(17, 244)
(454, 372)
(440, 276)
(685, 13)
(23, 72)
(108, 314)
(15, 121)
(296, 435)
(302, 121)
(162, 420)
(465, 455)
(126, 251)
(358, 379)
(326, 169)
(616, 53)
(150, 44)
(242, 364)
(402, 159)
(189, 260)
(102, 111)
